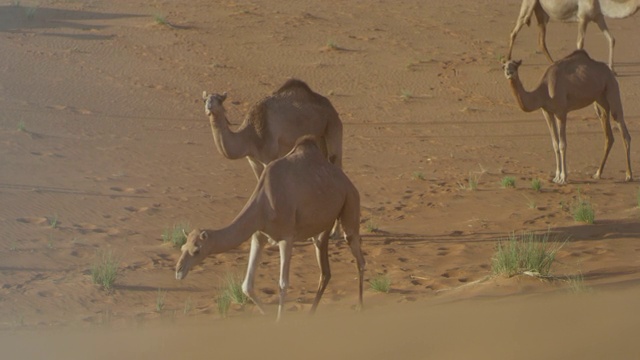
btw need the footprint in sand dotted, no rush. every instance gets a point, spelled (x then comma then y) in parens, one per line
(32, 220)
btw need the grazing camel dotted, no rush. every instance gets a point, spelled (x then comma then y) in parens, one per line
(297, 197)
(569, 84)
(582, 11)
(274, 124)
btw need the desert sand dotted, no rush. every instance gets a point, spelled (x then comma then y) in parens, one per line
(104, 144)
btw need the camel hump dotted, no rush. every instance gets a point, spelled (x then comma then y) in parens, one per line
(579, 53)
(307, 142)
(294, 85)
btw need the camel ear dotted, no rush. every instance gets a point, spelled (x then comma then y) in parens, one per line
(518, 63)
(223, 97)
(203, 235)
(204, 96)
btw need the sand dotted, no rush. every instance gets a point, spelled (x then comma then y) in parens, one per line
(104, 145)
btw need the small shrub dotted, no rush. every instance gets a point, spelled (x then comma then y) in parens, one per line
(380, 283)
(583, 211)
(53, 221)
(332, 45)
(527, 252)
(22, 126)
(188, 306)
(160, 19)
(406, 95)
(105, 271)
(417, 175)
(371, 226)
(508, 182)
(160, 300)
(176, 234)
(577, 285)
(223, 302)
(233, 288)
(536, 184)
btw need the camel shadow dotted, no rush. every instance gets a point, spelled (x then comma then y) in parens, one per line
(17, 18)
(600, 230)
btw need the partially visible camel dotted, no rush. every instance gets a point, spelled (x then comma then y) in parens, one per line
(297, 197)
(569, 84)
(274, 124)
(582, 11)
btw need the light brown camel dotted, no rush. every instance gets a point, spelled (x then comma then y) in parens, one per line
(582, 11)
(297, 197)
(569, 84)
(274, 124)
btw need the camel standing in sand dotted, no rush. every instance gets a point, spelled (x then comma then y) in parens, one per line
(569, 84)
(582, 11)
(274, 124)
(297, 197)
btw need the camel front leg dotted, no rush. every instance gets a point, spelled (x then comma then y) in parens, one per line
(286, 248)
(561, 123)
(554, 141)
(258, 240)
(322, 255)
(256, 166)
(608, 137)
(602, 25)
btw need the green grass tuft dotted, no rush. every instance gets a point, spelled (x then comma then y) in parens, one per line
(233, 287)
(160, 19)
(508, 182)
(536, 184)
(406, 95)
(176, 234)
(525, 253)
(371, 226)
(22, 126)
(160, 300)
(105, 271)
(223, 302)
(417, 175)
(380, 283)
(583, 211)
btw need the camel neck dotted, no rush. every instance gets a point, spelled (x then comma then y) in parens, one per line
(528, 101)
(239, 231)
(230, 144)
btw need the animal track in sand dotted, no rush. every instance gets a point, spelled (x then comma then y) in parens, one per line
(32, 220)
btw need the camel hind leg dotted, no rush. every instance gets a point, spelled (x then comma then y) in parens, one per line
(322, 255)
(543, 20)
(615, 105)
(604, 116)
(526, 10)
(351, 223)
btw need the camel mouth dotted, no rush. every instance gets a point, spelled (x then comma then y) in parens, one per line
(207, 111)
(181, 274)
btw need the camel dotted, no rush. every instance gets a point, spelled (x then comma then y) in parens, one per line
(274, 124)
(582, 11)
(297, 197)
(569, 84)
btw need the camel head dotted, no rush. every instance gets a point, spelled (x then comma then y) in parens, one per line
(511, 68)
(212, 100)
(192, 253)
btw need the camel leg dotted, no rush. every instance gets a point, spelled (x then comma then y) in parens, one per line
(561, 124)
(608, 137)
(612, 41)
(256, 166)
(286, 248)
(626, 139)
(258, 240)
(554, 141)
(543, 20)
(322, 255)
(526, 10)
(582, 29)
(356, 250)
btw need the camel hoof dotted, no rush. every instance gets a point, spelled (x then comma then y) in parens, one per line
(596, 176)
(629, 178)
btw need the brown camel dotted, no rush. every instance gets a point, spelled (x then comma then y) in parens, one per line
(582, 11)
(274, 124)
(569, 84)
(297, 197)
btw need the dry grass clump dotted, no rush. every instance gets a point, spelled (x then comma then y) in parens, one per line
(524, 253)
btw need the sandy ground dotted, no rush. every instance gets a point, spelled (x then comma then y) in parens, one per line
(104, 144)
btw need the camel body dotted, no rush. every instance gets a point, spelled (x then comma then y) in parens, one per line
(297, 197)
(582, 11)
(572, 83)
(273, 125)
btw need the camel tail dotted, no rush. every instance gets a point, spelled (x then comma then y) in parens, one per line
(618, 9)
